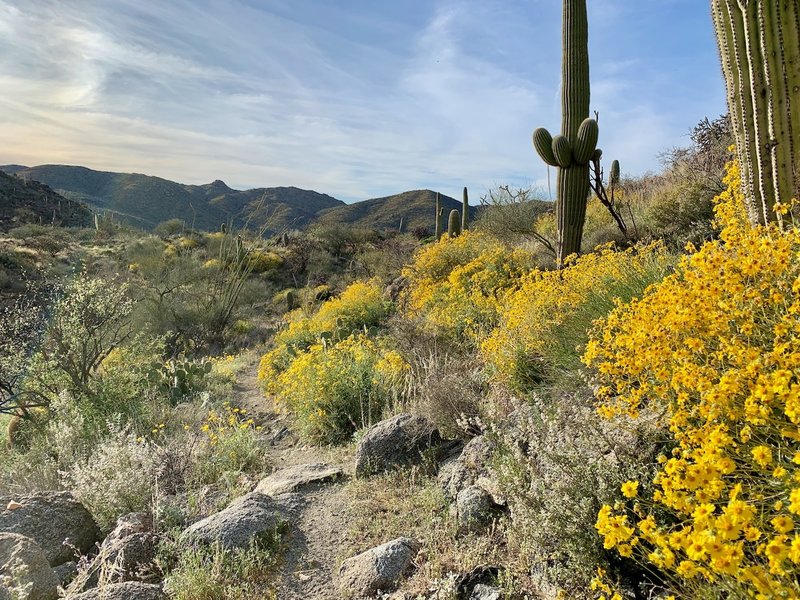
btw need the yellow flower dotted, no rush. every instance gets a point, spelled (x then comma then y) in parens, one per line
(630, 489)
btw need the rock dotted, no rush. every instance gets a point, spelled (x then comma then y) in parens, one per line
(485, 592)
(4, 593)
(293, 478)
(400, 440)
(474, 508)
(24, 569)
(251, 516)
(377, 569)
(51, 519)
(129, 590)
(472, 467)
(137, 522)
(66, 572)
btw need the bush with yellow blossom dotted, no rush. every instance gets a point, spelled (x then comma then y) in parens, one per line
(335, 389)
(457, 285)
(360, 305)
(714, 351)
(544, 321)
(329, 371)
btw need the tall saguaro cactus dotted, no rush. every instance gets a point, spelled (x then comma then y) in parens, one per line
(465, 211)
(574, 148)
(439, 218)
(759, 43)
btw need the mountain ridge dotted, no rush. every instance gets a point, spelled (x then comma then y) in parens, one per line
(146, 200)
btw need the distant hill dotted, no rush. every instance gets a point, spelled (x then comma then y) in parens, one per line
(416, 208)
(145, 201)
(27, 201)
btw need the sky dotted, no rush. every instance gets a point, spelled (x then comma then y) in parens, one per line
(353, 98)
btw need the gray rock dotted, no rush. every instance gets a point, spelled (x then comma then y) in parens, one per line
(472, 467)
(250, 517)
(66, 572)
(50, 519)
(129, 590)
(400, 440)
(137, 522)
(474, 508)
(485, 592)
(377, 569)
(4, 593)
(24, 569)
(294, 478)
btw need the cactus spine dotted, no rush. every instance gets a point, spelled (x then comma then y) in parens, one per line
(759, 44)
(439, 215)
(572, 150)
(454, 224)
(465, 212)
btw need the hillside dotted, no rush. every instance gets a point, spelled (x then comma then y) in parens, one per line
(145, 201)
(416, 208)
(29, 201)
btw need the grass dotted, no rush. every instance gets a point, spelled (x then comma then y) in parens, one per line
(213, 573)
(409, 503)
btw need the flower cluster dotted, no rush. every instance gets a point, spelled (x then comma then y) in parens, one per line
(334, 389)
(360, 305)
(552, 308)
(458, 284)
(715, 348)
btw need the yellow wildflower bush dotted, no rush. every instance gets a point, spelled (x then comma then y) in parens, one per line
(359, 305)
(546, 318)
(715, 349)
(457, 285)
(335, 389)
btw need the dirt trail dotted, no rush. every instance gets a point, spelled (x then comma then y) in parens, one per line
(319, 530)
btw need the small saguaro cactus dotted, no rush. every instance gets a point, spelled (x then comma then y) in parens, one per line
(572, 150)
(439, 215)
(454, 224)
(291, 301)
(465, 212)
(759, 44)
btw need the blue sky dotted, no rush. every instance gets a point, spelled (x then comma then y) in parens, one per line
(354, 98)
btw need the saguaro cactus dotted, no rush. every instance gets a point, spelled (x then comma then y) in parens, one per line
(572, 150)
(465, 212)
(454, 224)
(439, 215)
(759, 43)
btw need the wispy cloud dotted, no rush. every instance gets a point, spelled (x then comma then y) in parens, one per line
(356, 99)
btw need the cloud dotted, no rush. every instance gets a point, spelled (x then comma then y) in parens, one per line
(354, 99)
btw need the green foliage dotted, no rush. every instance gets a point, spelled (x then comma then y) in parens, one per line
(177, 378)
(89, 321)
(214, 573)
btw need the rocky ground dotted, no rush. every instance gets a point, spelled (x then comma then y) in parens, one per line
(307, 493)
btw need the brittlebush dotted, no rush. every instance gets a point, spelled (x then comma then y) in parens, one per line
(545, 318)
(360, 305)
(327, 372)
(716, 349)
(457, 285)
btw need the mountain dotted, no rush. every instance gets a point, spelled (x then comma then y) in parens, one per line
(145, 201)
(417, 209)
(27, 201)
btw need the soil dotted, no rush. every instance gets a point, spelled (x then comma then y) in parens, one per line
(317, 538)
